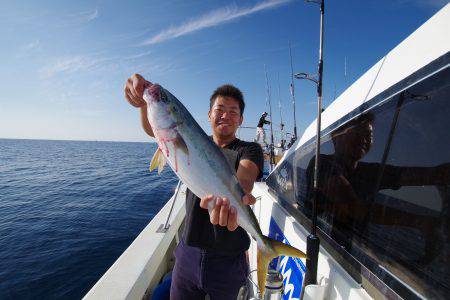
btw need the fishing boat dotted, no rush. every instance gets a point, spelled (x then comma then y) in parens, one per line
(384, 192)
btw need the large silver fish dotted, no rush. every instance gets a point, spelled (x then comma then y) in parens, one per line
(202, 166)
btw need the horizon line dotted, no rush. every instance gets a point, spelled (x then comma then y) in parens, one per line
(68, 140)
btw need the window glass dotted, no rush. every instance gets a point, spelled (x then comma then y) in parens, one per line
(385, 185)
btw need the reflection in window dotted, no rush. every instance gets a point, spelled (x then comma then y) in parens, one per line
(385, 185)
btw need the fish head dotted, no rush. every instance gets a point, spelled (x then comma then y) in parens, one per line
(163, 110)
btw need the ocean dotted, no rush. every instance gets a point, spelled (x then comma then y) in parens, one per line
(68, 209)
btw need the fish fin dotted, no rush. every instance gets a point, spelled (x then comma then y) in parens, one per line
(264, 258)
(161, 163)
(180, 144)
(158, 160)
(286, 250)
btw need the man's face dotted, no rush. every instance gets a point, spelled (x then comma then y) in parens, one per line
(225, 116)
(355, 141)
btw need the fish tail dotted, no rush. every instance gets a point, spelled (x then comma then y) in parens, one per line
(286, 250)
(269, 251)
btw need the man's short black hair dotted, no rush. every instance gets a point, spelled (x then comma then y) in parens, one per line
(228, 90)
(358, 121)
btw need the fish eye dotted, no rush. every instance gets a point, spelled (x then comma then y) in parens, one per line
(164, 98)
(172, 108)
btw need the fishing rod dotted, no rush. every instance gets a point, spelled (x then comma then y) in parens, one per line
(282, 141)
(272, 156)
(292, 95)
(313, 242)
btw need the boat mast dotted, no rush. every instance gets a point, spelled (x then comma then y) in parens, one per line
(282, 142)
(292, 93)
(272, 156)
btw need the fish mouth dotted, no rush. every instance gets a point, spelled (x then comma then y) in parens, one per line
(152, 93)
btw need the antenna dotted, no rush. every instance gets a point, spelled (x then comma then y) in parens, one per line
(334, 91)
(272, 158)
(281, 115)
(292, 95)
(345, 66)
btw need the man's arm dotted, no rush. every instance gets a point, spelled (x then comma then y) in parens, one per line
(247, 174)
(134, 90)
(414, 176)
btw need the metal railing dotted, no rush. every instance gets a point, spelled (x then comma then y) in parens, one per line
(164, 227)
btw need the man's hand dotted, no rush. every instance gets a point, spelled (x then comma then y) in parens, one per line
(134, 90)
(223, 213)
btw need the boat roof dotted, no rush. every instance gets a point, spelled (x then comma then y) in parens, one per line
(429, 42)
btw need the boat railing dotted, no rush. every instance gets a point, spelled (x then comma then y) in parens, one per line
(140, 268)
(163, 227)
(248, 133)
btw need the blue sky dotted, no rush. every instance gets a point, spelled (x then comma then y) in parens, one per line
(64, 63)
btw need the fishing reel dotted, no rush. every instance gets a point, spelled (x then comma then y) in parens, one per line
(274, 288)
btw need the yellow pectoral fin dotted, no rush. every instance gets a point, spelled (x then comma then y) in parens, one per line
(161, 163)
(158, 161)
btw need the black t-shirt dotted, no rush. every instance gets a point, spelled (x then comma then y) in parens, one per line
(198, 230)
(262, 121)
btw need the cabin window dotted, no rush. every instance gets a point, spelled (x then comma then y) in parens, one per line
(385, 185)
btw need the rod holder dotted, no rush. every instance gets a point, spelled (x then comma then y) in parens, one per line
(164, 227)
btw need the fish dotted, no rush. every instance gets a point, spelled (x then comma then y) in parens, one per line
(202, 167)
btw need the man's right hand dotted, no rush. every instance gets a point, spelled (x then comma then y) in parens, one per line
(223, 213)
(134, 90)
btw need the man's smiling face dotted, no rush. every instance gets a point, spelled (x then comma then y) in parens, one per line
(225, 116)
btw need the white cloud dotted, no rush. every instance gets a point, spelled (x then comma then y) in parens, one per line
(212, 19)
(155, 69)
(139, 55)
(78, 63)
(93, 15)
(71, 65)
(85, 16)
(34, 45)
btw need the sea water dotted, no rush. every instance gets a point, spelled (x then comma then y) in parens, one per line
(68, 210)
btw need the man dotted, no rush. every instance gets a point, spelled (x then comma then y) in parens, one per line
(260, 133)
(210, 258)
